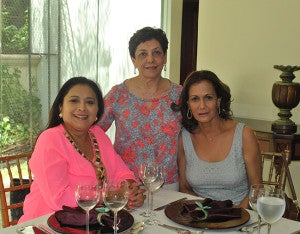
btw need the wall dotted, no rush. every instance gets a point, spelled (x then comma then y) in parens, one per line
(172, 23)
(241, 41)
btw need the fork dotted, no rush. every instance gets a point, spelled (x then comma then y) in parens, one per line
(180, 230)
(46, 229)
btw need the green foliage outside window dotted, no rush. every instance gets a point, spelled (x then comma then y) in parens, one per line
(20, 109)
(14, 27)
(19, 123)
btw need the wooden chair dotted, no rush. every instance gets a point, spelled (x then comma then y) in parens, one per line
(14, 186)
(274, 172)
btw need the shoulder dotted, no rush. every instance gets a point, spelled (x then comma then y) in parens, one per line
(52, 132)
(99, 133)
(118, 87)
(247, 131)
(97, 130)
(176, 87)
(115, 93)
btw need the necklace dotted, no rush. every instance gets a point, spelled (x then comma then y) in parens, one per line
(210, 139)
(98, 165)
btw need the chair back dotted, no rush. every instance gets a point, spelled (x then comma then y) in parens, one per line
(274, 172)
(15, 182)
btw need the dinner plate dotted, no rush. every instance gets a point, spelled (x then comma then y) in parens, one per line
(174, 212)
(126, 221)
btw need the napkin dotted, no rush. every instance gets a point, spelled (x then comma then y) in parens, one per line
(76, 216)
(215, 211)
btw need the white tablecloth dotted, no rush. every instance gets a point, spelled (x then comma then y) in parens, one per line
(284, 226)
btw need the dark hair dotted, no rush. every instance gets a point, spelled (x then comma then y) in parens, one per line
(221, 89)
(54, 118)
(147, 34)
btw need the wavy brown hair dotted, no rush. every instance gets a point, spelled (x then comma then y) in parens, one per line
(221, 89)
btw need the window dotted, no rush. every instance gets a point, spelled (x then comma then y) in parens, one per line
(62, 38)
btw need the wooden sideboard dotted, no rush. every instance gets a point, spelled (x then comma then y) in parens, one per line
(270, 141)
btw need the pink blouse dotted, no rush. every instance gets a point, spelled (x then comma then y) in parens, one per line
(57, 168)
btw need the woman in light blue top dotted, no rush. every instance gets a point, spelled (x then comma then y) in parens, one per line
(218, 157)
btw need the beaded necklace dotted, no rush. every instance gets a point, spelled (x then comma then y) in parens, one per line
(98, 165)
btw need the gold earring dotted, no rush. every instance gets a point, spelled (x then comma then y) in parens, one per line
(60, 115)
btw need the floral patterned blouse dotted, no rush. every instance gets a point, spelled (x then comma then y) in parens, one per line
(142, 133)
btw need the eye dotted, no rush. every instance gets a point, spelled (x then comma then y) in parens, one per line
(209, 98)
(73, 100)
(157, 53)
(195, 99)
(90, 102)
(142, 55)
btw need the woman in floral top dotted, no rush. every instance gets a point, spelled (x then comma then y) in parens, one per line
(146, 126)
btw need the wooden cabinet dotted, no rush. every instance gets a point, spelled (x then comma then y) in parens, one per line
(270, 141)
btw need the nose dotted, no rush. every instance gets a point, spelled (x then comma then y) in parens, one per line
(202, 103)
(150, 58)
(81, 106)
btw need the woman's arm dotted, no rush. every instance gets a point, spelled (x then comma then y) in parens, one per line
(54, 165)
(183, 184)
(252, 159)
(117, 170)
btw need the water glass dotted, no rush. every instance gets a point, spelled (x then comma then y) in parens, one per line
(147, 174)
(115, 197)
(87, 196)
(270, 204)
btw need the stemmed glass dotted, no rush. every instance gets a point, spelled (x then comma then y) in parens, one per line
(87, 196)
(253, 192)
(155, 185)
(147, 174)
(270, 204)
(115, 197)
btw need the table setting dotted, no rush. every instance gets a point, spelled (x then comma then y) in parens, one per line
(171, 201)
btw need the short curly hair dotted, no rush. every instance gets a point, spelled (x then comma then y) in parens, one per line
(147, 34)
(222, 91)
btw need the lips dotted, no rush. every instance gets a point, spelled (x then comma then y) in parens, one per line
(151, 68)
(202, 114)
(83, 117)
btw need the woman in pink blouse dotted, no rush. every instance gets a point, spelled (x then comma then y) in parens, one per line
(146, 126)
(73, 150)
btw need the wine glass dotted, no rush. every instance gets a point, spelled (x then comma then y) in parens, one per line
(147, 174)
(253, 192)
(115, 197)
(87, 196)
(155, 185)
(270, 204)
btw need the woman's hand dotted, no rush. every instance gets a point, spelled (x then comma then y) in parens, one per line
(136, 195)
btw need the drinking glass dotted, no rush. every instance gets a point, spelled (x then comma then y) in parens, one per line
(253, 192)
(115, 197)
(270, 204)
(147, 174)
(87, 196)
(155, 185)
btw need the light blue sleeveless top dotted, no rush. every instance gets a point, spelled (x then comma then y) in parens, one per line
(222, 180)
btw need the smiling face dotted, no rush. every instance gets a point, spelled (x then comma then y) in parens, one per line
(149, 59)
(203, 101)
(79, 108)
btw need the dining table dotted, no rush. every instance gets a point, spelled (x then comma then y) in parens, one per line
(164, 196)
